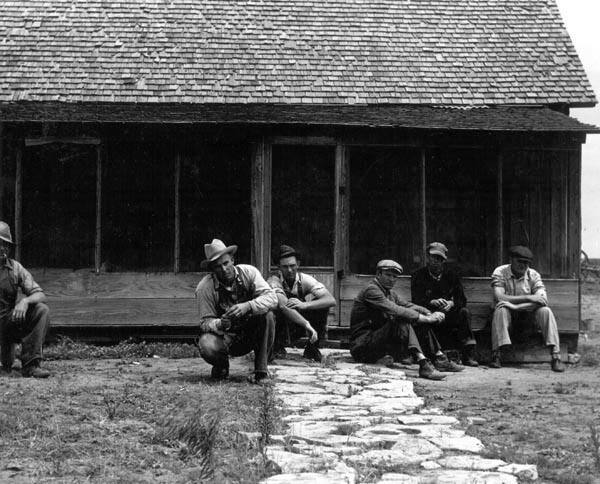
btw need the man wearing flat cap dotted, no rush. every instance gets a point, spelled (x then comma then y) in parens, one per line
(439, 289)
(233, 302)
(522, 302)
(383, 326)
(24, 321)
(303, 305)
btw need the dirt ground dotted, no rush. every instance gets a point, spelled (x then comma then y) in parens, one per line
(531, 415)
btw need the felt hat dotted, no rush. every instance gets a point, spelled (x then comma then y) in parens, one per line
(520, 251)
(287, 251)
(5, 233)
(390, 265)
(216, 249)
(437, 248)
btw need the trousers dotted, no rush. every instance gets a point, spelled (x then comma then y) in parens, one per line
(256, 333)
(31, 333)
(542, 318)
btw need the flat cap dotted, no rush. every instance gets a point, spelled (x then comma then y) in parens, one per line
(390, 265)
(520, 251)
(287, 251)
(438, 248)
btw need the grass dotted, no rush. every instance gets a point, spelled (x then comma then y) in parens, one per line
(103, 421)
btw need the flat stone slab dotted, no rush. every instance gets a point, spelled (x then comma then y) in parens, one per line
(340, 474)
(423, 419)
(471, 462)
(466, 477)
(465, 443)
(309, 400)
(290, 462)
(523, 471)
(396, 478)
(408, 450)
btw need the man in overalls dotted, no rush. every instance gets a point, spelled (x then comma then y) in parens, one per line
(302, 301)
(233, 302)
(25, 321)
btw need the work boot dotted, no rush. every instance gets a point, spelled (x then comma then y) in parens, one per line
(496, 360)
(220, 372)
(427, 370)
(557, 365)
(442, 363)
(258, 378)
(311, 352)
(34, 370)
(469, 356)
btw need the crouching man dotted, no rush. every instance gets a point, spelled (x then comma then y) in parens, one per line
(25, 321)
(381, 324)
(233, 302)
(522, 305)
(303, 306)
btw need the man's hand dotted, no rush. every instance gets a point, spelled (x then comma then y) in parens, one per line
(237, 311)
(438, 316)
(447, 305)
(223, 325)
(538, 299)
(312, 334)
(18, 314)
(295, 303)
(507, 305)
(437, 303)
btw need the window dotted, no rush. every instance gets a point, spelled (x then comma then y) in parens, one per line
(384, 208)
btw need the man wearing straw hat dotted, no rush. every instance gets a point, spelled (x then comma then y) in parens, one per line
(233, 301)
(24, 321)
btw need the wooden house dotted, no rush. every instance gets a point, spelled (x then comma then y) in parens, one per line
(131, 133)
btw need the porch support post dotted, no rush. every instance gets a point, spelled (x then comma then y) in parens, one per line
(341, 260)
(500, 208)
(261, 205)
(423, 204)
(18, 199)
(98, 238)
(1, 171)
(177, 227)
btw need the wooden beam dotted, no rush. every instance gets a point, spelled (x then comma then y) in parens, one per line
(85, 140)
(98, 240)
(267, 186)
(301, 140)
(1, 171)
(423, 204)
(500, 208)
(177, 238)
(18, 200)
(342, 218)
(261, 205)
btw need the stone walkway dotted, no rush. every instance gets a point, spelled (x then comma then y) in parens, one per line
(345, 417)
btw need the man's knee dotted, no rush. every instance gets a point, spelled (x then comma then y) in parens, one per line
(211, 347)
(543, 311)
(501, 315)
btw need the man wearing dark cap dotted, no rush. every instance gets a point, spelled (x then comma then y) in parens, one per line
(25, 321)
(233, 302)
(521, 302)
(381, 324)
(302, 301)
(439, 289)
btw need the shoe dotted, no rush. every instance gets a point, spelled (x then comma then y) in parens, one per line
(442, 363)
(34, 370)
(469, 357)
(496, 360)
(557, 365)
(311, 352)
(278, 354)
(220, 372)
(258, 378)
(386, 360)
(427, 370)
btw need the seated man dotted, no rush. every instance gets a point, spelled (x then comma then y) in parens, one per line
(25, 321)
(438, 289)
(303, 301)
(383, 326)
(233, 303)
(521, 302)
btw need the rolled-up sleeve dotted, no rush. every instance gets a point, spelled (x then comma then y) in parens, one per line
(206, 304)
(275, 284)
(25, 280)
(313, 287)
(375, 298)
(498, 278)
(536, 284)
(264, 298)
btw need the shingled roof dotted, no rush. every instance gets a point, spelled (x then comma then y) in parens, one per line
(324, 52)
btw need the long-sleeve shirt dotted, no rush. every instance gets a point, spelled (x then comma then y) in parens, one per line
(13, 276)
(376, 305)
(213, 298)
(424, 287)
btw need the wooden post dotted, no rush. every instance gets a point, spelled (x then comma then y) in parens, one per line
(423, 202)
(500, 208)
(267, 183)
(1, 171)
(342, 218)
(177, 241)
(261, 205)
(18, 200)
(98, 240)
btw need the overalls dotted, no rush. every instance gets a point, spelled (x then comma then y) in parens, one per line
(31, 333)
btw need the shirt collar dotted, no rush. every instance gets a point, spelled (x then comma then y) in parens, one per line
(9, 263)
(378, 284)
(525, 276)
(285, 284)
(433, 276)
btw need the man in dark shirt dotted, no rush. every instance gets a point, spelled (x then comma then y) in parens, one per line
(381, 323)
(24, 321)
(438, 289)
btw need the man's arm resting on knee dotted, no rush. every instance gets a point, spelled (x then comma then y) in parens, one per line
(295, 317)
(530, 300)
(21, 307)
